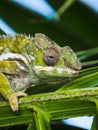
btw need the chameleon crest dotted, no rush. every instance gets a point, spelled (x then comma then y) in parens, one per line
(26, 61)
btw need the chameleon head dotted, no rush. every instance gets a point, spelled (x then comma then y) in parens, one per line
(53, 62)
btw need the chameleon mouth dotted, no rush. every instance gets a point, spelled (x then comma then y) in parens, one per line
(61, 72)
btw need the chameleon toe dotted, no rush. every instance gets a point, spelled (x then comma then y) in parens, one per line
(13, 100)
(21, 94)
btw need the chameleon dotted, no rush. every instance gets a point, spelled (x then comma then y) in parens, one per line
(26, 61)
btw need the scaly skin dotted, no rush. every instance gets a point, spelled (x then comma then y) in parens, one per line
(15, 43)
(25, 60)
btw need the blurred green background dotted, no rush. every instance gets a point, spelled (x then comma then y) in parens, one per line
(76, 27)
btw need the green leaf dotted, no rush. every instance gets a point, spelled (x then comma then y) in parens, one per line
(95, 122)
(32, 126)
(87, 78)
(41, 119)
(88, 64)
(87, 53)
(95, 119)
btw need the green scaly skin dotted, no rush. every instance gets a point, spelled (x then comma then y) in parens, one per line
(26, 61)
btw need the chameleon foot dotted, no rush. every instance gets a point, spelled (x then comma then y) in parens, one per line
(13, 100)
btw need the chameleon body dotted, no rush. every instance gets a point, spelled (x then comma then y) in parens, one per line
(26, 61)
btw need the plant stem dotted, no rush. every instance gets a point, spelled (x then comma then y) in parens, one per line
(68, 104)
(65, 6)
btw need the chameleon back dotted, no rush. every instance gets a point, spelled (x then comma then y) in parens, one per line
(14, 43)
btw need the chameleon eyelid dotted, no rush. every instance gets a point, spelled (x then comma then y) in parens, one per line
(51, 56)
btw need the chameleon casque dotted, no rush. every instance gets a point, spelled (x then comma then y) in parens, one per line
(26, 61)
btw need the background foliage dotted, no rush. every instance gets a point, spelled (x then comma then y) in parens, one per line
(77, 27)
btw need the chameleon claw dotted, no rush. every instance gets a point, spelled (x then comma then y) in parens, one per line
(13, 100)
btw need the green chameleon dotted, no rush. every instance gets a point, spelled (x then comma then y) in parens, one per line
(26, 61)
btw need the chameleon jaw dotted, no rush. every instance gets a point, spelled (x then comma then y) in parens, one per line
(60, 72)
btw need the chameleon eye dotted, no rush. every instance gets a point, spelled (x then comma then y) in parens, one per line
(51, 56)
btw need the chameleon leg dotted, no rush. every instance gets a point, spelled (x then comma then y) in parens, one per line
(9, 94)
